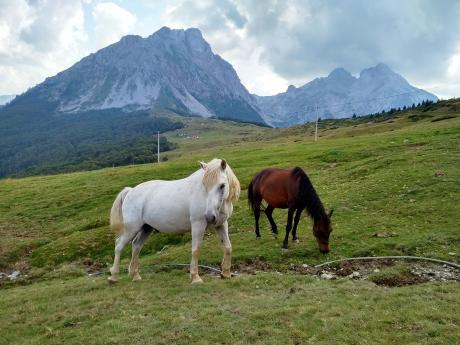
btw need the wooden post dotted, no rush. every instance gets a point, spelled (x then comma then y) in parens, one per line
(158, 147)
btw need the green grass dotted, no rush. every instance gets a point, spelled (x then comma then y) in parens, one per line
(397, 175)
(261, 309)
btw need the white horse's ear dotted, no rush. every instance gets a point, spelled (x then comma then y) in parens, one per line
(203, 165)
(223, 164)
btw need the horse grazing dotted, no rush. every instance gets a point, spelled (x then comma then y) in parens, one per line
(202, 199)
(291, 189)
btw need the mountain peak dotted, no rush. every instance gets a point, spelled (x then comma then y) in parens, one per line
(382, 67)
(163, 30)
(191, 38)
(378, 70)
(339, 73)
(131, 38)
(194, 32)
(167, 31)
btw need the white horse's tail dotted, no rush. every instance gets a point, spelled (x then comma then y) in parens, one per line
(116, 216)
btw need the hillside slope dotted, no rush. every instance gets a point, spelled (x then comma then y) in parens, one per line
(358, 168)
(392, 181)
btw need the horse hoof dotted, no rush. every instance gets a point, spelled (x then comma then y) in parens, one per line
(197, 280)
(258, 238)
(226, 275)
(296, 240)
(275, 236)
(111, 280)
(284, 250)
(137, 278)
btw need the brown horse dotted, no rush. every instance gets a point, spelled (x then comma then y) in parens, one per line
(291, 189)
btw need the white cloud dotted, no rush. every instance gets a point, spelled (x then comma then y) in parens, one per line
(111, 22)
(255, 75)
(270, 43)
(449, 85)
(297, 40)
(453, 69)
(38, 39)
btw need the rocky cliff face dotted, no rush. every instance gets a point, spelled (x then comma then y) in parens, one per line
(341, 95)
(171, 69)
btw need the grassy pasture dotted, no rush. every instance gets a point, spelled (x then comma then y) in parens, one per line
(397, 177)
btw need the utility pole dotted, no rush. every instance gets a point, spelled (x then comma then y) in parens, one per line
(316, 125)
(158, 146)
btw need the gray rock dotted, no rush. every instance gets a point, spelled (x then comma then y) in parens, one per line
(327, 276)
(355, 274)
(14, 275)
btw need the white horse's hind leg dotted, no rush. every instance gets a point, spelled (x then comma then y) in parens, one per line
(120, 243)
(226, 262)
(198, 229)
(137, 244)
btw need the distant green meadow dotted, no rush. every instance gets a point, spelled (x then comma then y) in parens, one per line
(393, 182)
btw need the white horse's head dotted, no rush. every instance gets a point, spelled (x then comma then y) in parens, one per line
(221, 185)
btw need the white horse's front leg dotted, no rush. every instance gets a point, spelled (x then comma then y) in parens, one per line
(198, 229)
(227, 260)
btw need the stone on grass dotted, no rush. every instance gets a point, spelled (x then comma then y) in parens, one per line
(14, 275)
(327, 276)
(355, 274)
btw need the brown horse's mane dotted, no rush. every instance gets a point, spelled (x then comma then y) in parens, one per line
(309, 197)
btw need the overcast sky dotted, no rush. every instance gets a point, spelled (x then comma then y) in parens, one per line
(271, 44)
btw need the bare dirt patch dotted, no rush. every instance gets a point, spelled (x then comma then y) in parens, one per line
(390, 272)
(253, 266)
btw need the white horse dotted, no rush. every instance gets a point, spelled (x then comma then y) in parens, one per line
(202, 199)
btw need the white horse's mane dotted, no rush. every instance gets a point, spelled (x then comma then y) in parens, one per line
(211, 177)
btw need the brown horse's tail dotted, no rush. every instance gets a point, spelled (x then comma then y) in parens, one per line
(116, 215)
(254, 197)
(251, 196)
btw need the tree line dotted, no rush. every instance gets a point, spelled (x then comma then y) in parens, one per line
(34, 143)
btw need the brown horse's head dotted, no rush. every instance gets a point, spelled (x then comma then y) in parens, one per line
(322, 228)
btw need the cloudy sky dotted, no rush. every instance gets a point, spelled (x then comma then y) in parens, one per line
(270, 43)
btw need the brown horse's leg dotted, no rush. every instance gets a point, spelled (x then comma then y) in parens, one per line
(296, 221)
(288, 227)
(269, 213)
(256, 217)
